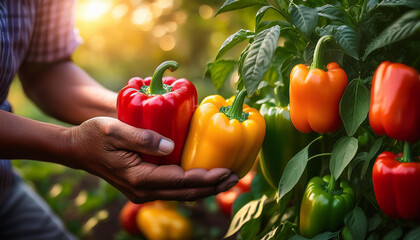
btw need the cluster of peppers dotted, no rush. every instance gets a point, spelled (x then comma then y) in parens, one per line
(218, 133)
(229, 133)
(394, 111)
(155, 220)
(314, 106)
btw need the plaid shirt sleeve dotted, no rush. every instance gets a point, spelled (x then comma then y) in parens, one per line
(54, 36)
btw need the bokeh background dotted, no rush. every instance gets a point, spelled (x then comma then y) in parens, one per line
(123, 39)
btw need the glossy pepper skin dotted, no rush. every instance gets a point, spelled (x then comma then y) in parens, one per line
(315, 94)
(397, 186)
(395, 101)
(163, 223)
(217, 139)
(323, 209)
(163, 105)
(281, 142)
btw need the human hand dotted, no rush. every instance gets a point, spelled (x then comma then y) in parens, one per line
(110, 149)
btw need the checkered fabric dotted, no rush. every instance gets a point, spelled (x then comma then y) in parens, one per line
(35, 31)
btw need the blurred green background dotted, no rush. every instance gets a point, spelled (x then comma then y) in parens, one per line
(123, 39)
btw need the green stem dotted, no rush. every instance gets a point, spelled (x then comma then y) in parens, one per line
(407, 157)
(319, 155)
(318, 61)
(235, 111)
(333, 185)
(156, 85)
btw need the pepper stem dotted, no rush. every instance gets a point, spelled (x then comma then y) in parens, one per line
(333, 184)
(235, 111)
(407, 157)
(318, 61)
(156, 85)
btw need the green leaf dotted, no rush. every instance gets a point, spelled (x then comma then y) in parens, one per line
(294, 170)
(372, 152)
(413, 234)
(345, 36)
(233, 40)
(344, 150)
(242, 200)
(322, 236)
(331, 12)
(260, 14)
(357, 223)
(268, 24)
(354, 106)
(394, 234)
(251, 210)
(304, 18)
(374, 222)
(408, 3)
(219, 71)
(259, 57)
(230, 5)
(403, 28)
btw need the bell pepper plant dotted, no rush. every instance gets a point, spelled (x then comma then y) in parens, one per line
(163, 105)
(315, 94)
(224, 136)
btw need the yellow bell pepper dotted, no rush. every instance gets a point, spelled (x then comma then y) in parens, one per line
(224, 135)
(163, 223)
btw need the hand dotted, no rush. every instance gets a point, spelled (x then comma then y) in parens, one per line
(110, 149)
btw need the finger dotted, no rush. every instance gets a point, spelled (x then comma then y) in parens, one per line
(150, 176)
(144, 141)
(190, 194)
(228, 183)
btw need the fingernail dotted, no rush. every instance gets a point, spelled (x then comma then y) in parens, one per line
(166, 146)
(230, 185)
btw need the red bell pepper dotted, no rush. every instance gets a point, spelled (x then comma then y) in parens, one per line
(396, 181)
(395, 101)
(163, 105)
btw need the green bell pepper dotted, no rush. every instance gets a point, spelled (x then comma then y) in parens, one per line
(324, 205)
(281, 142)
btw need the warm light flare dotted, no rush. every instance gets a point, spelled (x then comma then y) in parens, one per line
(94, 9)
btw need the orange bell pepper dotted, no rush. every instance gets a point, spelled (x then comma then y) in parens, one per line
(315, 94)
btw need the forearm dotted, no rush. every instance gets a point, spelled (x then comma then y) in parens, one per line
(66, 92)
(22, 138)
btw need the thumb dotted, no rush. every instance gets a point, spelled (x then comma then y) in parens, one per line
(144, 141)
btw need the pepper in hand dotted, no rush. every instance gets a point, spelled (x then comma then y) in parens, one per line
(395, 101)
(324, 204)
(163, 105)
(224, 136)
(315, 94)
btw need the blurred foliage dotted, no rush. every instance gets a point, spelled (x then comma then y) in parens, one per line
(123, 39)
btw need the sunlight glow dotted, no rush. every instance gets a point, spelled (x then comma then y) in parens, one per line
(81, 198)
(94, 9)
(167, 43)
(206, 11)
(56, 190)
(142, 15)
(119, 11)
